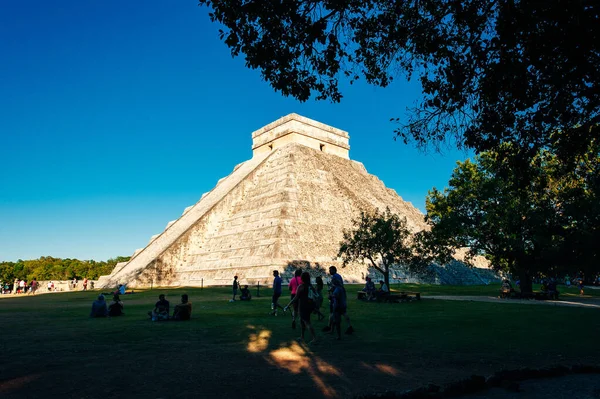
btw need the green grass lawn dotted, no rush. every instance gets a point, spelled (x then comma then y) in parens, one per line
(49, 344)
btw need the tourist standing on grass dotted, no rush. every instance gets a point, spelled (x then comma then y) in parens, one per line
(276, 293)
(85, 281)
(293, 286)
(319, 299)
(15, 286)
(338, 307)
(336, 276)
(305, 306)
(33, 287)
(235, 286)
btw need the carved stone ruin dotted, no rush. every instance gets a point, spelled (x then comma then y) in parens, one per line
(285, 207)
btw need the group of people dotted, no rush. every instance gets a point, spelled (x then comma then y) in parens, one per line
(548, 286)
(84, 284)
(24, 287)
(182, 312)
(19, 287)
(306, 299)
(101, 309)
(373, 294)
(161, 311)
(245, 294)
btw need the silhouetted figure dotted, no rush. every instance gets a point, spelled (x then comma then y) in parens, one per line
(99, 307)
(161, 309)
(116, 307)
(235, 287)
(276, 293)
(183, 311)
(245, 294)
(305, 306)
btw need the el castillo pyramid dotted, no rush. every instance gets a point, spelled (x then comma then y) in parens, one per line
(285, 207)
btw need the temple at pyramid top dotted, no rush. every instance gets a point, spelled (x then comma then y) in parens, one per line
(294, 128)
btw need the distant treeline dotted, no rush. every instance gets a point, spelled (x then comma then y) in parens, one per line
(49, 268)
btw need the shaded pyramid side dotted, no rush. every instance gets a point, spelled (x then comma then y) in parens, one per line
(291, 209)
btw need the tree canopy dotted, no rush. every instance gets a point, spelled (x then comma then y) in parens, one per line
(543, 223)
(49, 268)
(492, 72)
(382, 240)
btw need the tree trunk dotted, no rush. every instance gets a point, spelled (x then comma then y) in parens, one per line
(386, 277)
(525, 284)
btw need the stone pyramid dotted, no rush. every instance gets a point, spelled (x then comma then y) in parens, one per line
(285, 207)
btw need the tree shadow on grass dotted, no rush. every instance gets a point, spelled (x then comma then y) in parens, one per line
(328, 374)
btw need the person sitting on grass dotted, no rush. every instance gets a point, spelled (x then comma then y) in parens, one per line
(369, 289)
(116, 307)
(99, 307)
(183, 311)
(161, 309)
(245, 294)
(544, 287)
(383, 291)
(552, 291)
(506, 289)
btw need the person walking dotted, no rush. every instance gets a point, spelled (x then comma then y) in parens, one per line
(293, 286)
(276, 293)
(305, 306)
(319, 298)
(336, 277)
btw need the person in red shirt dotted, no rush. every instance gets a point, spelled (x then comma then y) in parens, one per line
(293, 286)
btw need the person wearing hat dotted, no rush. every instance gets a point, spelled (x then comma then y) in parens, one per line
(99, 308)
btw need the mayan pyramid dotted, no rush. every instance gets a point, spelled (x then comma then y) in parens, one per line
(286, 206)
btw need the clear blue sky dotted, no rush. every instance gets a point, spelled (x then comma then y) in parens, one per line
(116, 115)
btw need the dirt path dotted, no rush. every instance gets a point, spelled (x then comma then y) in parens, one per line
(582, 302)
